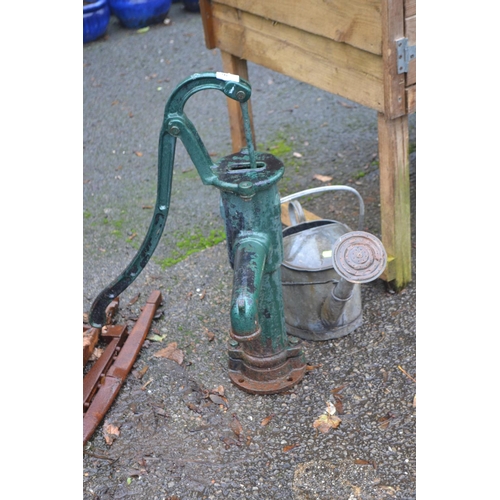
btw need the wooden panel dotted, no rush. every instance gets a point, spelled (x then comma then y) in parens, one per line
(355, 22)
(335, 67)
(206, 18)
(410, 8)
(411, 34)
(394, 83)
(395, 198)
(411, 99)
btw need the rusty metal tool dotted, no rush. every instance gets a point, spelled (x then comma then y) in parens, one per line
(105, 378)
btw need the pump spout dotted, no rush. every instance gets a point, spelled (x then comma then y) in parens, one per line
(250, 254)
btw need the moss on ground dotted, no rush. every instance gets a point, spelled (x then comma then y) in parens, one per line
(191, 243)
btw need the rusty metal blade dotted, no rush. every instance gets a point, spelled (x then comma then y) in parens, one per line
(128, 354)
(118, 333)
(100, 405)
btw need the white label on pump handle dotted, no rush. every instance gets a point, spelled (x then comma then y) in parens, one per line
(228, 77)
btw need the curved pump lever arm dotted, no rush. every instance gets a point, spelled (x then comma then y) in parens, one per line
(175, 124)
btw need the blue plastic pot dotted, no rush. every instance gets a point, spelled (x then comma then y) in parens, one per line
(96, 14)
(140, 13)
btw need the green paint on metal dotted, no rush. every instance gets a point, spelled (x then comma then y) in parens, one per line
(175, 125)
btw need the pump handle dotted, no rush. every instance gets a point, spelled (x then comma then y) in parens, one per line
(175, 124)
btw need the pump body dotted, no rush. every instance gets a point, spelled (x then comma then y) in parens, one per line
(262, 358)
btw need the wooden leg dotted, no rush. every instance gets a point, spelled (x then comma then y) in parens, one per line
(237, 66)
(395, 198)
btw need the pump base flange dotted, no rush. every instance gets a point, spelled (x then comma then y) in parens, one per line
(271, 380)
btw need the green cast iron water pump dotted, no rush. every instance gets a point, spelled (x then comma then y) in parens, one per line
(262, 358)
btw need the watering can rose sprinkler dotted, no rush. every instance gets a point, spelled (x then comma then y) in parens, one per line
(262, 358)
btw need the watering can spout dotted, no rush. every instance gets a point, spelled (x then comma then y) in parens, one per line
(250, 252)
(334, 304)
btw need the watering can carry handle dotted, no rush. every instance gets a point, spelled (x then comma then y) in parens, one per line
(176, 125)
(296, 213)
(295, 209)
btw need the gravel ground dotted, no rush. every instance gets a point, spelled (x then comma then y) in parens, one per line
(176, 437)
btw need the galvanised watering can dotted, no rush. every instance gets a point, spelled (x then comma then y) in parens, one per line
(262, 358)
(323, 266)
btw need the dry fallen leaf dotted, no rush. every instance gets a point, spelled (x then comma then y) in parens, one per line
(266, 420)
(111, 432)
(133, 300)
(171, 352)
(236, 426)
(339, 406)
(138, 374)
(312, 367)
(338, 399)
(217, 400)
(360, 461)
(156, 338)
(322, 178)
(209, 334)
(290, 447)
(337, 390)
(96, 354)
(386, 420)
(328, 420)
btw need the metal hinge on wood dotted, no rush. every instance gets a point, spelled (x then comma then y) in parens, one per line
(405, 53)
